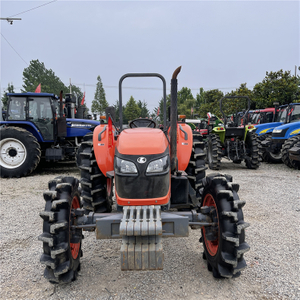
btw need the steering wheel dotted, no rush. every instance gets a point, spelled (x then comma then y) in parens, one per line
(142, 122)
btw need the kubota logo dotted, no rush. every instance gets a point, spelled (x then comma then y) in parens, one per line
(141, 160)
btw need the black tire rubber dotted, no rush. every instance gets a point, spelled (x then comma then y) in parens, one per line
(270, 157)
(296, 163)
(252, 156)
(31, 146)
(95, 197)
(196, 167)
(61, 257)
(226, 260)
(78, 156)
(288, 144)
(214, 152)
(261, 149)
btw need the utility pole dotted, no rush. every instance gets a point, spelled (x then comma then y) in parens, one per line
(70, 87)
(11, 20)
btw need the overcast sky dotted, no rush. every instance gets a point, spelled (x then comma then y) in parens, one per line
(219, 44)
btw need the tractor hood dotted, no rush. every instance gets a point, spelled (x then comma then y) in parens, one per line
(80, 127)
(286, 131)
(142, 141)
(266, 128)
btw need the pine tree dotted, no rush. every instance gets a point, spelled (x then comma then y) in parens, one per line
(4, 99)
(132, 110)
(99, 103)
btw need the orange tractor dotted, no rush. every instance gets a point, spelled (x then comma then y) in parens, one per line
(157, 178)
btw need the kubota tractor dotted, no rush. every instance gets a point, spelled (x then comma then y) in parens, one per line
(149, 170)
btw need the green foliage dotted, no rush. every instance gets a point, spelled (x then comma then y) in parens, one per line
(131, 111)
(278, 86)
(144, 110)
(210, 102)
(36, 73)
(4, 99)
(99, 104)
(232, 106)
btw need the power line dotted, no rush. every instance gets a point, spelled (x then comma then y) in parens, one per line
(153, 88)
(14, 49)
(33, 8)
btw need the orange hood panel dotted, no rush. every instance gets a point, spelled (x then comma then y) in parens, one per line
(142, 141)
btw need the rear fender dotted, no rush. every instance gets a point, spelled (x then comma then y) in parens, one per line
(26, 125)
(248, 128)
(184, 145)
(104, 147)
(220, 131)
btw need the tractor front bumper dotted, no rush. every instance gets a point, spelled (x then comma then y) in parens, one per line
(141, 229)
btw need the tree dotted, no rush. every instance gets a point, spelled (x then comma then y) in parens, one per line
(278, 86)
(36, 73)
(211, 103)
(131, 111)
(144, 110)
(231, 106)
(99, 104)
(4, 99)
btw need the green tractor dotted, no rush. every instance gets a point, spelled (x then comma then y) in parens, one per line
(232, 141)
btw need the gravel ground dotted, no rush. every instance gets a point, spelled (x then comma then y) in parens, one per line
(272, 195)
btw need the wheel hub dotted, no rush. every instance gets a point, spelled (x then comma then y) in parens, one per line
(12, 153)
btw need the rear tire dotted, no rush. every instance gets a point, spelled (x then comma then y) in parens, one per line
(214, 152)
(94, 185)
(61, 245)
(196, 167)
(224, 244)
(20, 152)
(252, 156)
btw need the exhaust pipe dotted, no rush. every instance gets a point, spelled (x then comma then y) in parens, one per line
(174, 160)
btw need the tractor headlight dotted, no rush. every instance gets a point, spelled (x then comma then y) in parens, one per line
(159, 165)
(277, 130)
(125, 166)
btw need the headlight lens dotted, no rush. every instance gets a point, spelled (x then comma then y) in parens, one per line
(125, 166)
(277, 130)
(158, 165)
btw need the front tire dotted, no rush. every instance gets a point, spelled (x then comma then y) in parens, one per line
(224, 244)
(20, 152)
(61, 245)
(271, 157)
(288, 144)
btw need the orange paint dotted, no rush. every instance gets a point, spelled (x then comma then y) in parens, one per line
(103, 152)
(142, 141)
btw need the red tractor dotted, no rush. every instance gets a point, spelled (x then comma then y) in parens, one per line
(149, 170)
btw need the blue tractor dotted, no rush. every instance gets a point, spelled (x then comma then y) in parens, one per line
(276, 147)
(35, 126)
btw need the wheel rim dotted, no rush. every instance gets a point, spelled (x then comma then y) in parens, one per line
(12, 153)
(211, 246)
(275, 155)
(75, 247)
